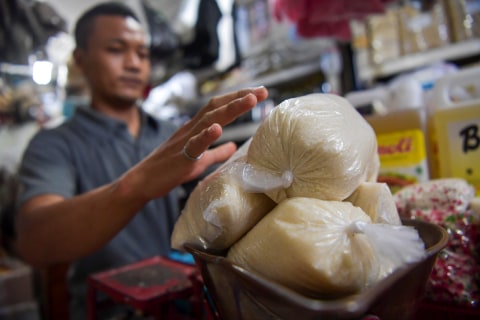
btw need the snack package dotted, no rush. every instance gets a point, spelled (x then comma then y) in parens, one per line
(324, 249)
(384, 38)
(422, 30)
(449, 195)
(464, 18)
(315, 146)
(454, 279)
(450, 203)
(219, 211)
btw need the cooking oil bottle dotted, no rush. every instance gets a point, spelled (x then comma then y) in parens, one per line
(454, 127)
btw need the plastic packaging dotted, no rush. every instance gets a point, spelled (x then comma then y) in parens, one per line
(219, 211)
(455, 278)
(423, 30)
(377, 201)
(399, 122)
(452, 194)
(316, 146)
(384, 37)
(240, 294)
(464, 18)
(325, 248)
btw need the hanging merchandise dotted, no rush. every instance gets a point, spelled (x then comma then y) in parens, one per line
(164, 42)
(214, 41)
(170, 99)
(25, 27)
(325, 18)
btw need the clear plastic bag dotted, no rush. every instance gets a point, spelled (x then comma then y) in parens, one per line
(377, 201)
(219, 210)
(314, 146)
(325, 249)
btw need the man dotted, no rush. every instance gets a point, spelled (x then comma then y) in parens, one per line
(100, 190)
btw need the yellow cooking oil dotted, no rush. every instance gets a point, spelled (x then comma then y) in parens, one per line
(401, 146)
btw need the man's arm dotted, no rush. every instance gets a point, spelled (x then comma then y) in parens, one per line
(51, 229)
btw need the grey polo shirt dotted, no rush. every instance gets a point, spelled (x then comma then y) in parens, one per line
(86, 152)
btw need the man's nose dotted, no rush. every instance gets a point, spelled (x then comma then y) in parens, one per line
(132, 60)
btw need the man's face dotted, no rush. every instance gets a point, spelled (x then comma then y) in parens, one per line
(116, 61)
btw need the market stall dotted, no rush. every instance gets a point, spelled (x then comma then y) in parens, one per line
(353, 192)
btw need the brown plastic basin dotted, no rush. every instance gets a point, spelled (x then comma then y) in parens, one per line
(238, 294)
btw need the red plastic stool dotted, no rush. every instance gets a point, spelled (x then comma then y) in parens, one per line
(149, 286)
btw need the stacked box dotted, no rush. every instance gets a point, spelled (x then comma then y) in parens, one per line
(420, 31)
(384, 37)
(464, 19)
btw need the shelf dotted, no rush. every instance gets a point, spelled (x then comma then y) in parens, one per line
(451, 52)
(272, 79)
(243, 131)
(286, 75)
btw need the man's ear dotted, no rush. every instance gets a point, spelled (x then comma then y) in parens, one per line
(79, 57)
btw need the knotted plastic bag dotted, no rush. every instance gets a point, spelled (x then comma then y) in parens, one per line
(314, 146)
(219, 211)
(376, 200)
(325, 249)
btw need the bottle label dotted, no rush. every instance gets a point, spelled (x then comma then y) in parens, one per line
(403, 158)
(458, 139)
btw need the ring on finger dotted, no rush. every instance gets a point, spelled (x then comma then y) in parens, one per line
(189, 157)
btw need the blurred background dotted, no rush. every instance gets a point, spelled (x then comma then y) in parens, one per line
(398, 62)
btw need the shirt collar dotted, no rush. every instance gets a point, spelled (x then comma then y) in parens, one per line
(104, 123)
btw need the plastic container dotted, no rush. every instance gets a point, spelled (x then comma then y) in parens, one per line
(454, 127)
(238, 294)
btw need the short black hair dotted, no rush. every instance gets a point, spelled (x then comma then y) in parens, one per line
(84, 25)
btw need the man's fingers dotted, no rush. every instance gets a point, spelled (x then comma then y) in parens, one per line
(235, 103)
(199, 143)
(223, 152)
(260, 92)
(206, 127)
(229, 112)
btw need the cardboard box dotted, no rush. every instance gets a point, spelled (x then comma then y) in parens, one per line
(422, 30)
(384, 37)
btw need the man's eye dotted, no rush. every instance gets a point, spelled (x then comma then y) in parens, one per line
(144, 54)
(114, 49)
